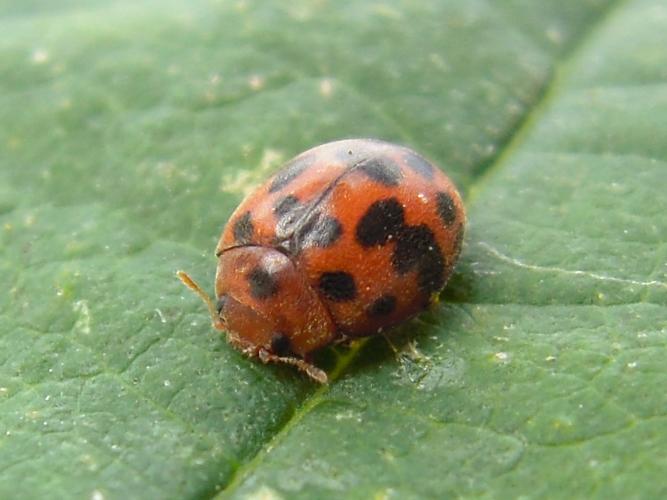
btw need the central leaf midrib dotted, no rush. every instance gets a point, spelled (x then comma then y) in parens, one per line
(515, 137)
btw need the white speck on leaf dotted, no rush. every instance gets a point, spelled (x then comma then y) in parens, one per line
(326, 87)
(503, 357)
(162, 318)
(348, 415)
(29, 220)
(39, 56)
(83, 323)
(264, 493)
(97, 495)
(256, 82)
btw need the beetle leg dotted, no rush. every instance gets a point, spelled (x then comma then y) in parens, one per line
(309, 369)
(391, 345)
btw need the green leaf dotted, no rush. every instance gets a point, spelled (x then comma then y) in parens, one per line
(130, 130)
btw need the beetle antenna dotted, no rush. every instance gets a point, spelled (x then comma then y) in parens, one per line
(192, 285)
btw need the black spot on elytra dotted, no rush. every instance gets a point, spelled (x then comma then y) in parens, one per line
(412, 245)
(289, 212)
(338, 286)
(319, 231)
(286, 205)
(446, 208)
(383, 219)
(290, 172)
(221, 303)
(419, 165)
(382, 170)
(416, 247)
(262, 284)
(280, 345)
(431, 273)
(243, 229)
(383, 306)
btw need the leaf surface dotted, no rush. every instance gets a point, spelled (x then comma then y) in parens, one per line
(130, 130)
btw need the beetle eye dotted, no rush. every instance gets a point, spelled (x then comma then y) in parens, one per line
(220, 305)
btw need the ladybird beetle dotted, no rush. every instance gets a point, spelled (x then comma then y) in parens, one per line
(347, 239)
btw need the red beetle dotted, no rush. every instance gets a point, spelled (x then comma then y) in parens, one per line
(346, 240)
